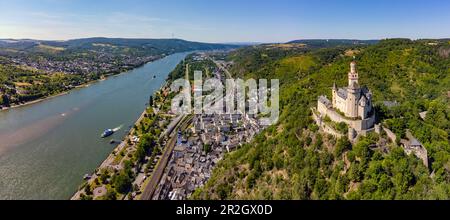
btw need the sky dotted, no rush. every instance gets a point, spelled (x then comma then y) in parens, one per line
(225, 20)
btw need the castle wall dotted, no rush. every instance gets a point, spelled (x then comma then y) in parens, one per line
(322, 108)
(358, 125)
(327, 129)
(363, 111)
(352, 103)
(391, 135)
(340, 103)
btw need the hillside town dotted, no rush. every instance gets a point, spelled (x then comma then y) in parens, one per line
(28, 74)
(95, 63)
(183, 156)
(199, 149)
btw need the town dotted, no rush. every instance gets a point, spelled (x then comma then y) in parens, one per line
(186, 150)
(99, 63)
(200, 148)
(30, 75)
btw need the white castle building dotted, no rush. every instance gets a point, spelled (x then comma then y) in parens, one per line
(351, 105)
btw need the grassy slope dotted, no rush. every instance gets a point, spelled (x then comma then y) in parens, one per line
(292, 160)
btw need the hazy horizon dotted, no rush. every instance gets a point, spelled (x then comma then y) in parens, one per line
(223, 21)
(236, 43)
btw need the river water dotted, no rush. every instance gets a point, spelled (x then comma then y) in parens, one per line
(46, 148)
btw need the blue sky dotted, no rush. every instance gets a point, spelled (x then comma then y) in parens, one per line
(225, 20)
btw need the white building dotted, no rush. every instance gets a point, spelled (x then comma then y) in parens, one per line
(353, 101)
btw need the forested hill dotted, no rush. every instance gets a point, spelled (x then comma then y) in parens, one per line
(33, 69)
(294, 160)
(321, 43)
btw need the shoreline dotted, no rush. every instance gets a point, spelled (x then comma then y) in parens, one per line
(120, 146)
(111, 156)
(84, 85)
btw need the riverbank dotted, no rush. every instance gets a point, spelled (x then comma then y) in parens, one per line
(84, 85)
(61, 138)
(125, 152)
(111, 157)
(154, 118)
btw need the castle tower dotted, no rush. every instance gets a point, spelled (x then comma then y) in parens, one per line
(353, 92)
(353, 76)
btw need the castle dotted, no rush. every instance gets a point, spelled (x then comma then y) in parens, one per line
(351, 105)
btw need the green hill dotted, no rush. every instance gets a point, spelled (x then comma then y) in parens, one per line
(33, 69)
(112, 45)
(293, 160)
(321, 43)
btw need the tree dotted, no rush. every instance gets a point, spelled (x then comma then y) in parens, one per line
(85, 197)
(122, 182)
(342, 145)
(150, 103)
(4, 100)
(104, 176)
(223, 190)
(207, 148)
(342, 127)
(147, 142)
(111, 194)
(140, 154)
(88, 190)
(362, 151)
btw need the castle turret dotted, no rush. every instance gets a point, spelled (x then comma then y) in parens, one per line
(353, 92)
(353, 76)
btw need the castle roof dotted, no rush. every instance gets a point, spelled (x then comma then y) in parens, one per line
(342, 92)
(364, 92)
(324, 100)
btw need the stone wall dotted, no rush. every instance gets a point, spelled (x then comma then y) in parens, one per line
(358, 125)
(340, 103)
(391, 135)
(322, 108)
(325, 128)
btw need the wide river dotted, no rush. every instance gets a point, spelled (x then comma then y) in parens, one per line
(46, 148)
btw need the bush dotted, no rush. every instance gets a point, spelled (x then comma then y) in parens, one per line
(342, 145)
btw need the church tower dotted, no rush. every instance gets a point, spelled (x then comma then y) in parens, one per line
(353, 92)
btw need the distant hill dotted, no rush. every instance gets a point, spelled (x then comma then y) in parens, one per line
(146, 46)
(244, 43)
(321, 43)
(32, 69)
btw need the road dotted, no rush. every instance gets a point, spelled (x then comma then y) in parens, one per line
(152, 185)
(182, 123)
(221, 67)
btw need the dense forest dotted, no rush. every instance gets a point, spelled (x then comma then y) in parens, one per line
(120, 46)
(295, 160)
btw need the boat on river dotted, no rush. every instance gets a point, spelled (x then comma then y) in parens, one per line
(107, 133)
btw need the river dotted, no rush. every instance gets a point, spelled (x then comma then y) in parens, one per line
(46, 148)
